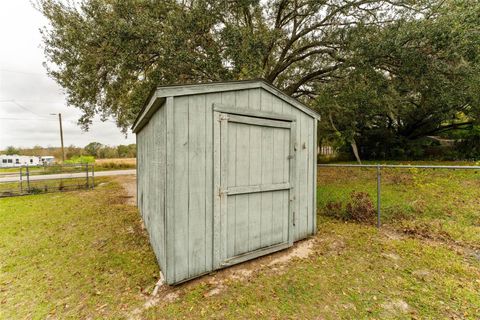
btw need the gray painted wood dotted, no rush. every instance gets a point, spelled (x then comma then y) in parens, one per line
(169, 270)
(314, 181)
(272, 211)
(238, 87)
(193, 228)
(196, 183)
(152, 161)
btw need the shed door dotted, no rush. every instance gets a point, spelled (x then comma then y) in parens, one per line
(254, 168)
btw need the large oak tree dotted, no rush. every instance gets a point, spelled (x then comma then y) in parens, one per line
(109, 54)
(382, 72)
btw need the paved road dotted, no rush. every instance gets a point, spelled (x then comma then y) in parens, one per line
(69, 175)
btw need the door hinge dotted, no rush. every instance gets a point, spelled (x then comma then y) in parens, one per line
(290, 156)
(293, 218)
(223, 117)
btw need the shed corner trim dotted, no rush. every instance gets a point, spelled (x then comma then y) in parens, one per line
(153, 105)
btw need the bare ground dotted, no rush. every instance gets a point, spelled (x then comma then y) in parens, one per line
(218, 280)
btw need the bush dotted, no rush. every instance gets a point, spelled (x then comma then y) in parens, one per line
(335, 210)
(360, 208)
(80, 159)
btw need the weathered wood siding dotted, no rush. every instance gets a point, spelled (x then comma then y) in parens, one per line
(151, 174)
(190, 193)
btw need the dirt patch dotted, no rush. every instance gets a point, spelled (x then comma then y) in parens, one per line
(218, 281)
(302, 250)
(129, 184)
(395, 308)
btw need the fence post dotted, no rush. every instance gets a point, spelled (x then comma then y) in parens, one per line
(86, 170)
(93, 176)
(379, 223)
(21, 180)
(28, 180)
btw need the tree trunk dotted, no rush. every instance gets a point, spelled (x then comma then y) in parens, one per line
(355, 151)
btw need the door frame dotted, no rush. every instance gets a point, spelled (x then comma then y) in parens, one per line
(222, 115)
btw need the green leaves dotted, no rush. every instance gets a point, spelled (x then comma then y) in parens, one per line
(406, 67)
(408, 80)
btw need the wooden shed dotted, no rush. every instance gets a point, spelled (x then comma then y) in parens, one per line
(226, 172)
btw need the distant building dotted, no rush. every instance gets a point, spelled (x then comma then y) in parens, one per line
(46, 160)
(18, 161)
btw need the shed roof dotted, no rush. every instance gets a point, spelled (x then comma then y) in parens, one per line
(157, 98)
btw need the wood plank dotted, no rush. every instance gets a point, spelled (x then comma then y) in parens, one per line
(266, 101)
(280, 216)
(253, 113)
(242, 168)
(267, 178)
(303, 180)
(258, 188)
(196, 184)
(223, 186)
(279, 159)
(293, 181)
(292, 101)
(286, 178)
(277, 105)
(259, 121)
(231, 177)
(255, 254)
(181, 210)
(255, 178)
(210, 167)
(314, 187)
(217, 227)
(228, 98)
(242, 99)
(163, 173)
(254, 98)
(169, 271)
(310, 191)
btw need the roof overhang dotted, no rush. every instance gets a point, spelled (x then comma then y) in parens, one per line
(158, 97)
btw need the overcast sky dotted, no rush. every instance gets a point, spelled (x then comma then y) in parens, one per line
(28, 95)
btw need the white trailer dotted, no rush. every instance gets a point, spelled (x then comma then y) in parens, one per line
(18, 161)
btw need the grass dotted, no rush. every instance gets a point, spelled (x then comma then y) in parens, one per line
(100, 165)
(83, 254)
(75, 254)
(355, 272)
(433, 203)
(43, 186)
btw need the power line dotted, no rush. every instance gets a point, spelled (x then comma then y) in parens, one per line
(26, 109)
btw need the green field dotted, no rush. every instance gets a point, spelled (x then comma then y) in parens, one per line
(83, 254)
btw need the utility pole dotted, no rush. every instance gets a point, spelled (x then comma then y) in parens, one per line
(61, 134)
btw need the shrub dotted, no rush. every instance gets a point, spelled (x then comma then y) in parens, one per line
(360, 208)
(80, 159)
(334, 209)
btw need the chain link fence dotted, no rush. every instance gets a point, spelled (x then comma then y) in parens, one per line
(448, 196)
(23, 180)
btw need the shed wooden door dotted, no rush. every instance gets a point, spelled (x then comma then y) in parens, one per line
(253, 174)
